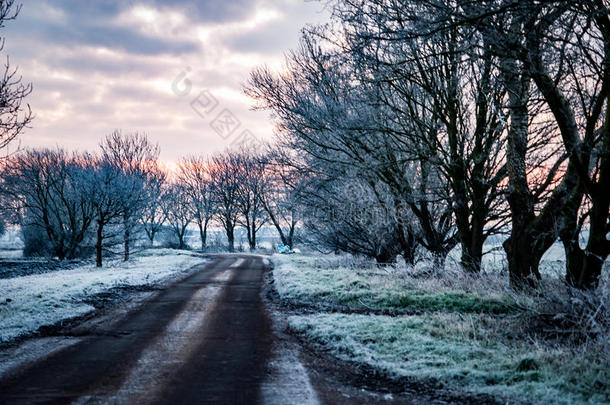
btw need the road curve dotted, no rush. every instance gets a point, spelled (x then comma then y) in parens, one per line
(205, 339)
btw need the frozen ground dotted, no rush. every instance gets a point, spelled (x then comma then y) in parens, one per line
(19, 267)
(29, 302)
(445, 329)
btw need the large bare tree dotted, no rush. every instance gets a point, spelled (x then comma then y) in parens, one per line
(14, 114)
(44, 188)
(136, 159)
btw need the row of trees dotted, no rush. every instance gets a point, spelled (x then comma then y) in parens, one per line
(68, 197)
(448, 122)
(83, 199)
(235, 189)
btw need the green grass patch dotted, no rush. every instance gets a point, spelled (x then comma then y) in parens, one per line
(467, 353)
(466, 332)
(300, 280)
(425, 302)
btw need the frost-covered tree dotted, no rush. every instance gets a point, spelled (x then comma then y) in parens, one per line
(346, 214)
(333, 120)
(14, 114)
(44, 190)
(178, 211)
(250, 195)
(280, 198)
(194, 176)
(136, 160)
(554, 54)
(441, 94)
(153, 216)
(105, 185)
(224, 170)
(448, 104)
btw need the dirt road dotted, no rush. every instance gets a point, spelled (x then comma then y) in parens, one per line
(206, 339)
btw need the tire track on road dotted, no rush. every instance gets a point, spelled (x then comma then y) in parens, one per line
(100, 363)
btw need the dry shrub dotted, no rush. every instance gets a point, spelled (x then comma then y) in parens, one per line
(558, 312)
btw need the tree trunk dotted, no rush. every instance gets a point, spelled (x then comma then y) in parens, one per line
(126, 237)
(472, 255)
(409, 248)
(181, 240)
(60, 253)
(98, 244)
(249, 233)
(202, 234)
(584, 267)
(231, 237)
(521, 261)
(471, 241)
(253, 241)
(385, 255)
(470, 223)
(290, 238)
(406, 238)
(283, 238)
(522, 265)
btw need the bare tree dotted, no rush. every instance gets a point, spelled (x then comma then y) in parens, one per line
(576, 90)
(135, 158)
(224, 171)
(558, 50)
(280, 197)
(193, 175)
(153, 216)
(442, 100)
(14, 115)
(44, 189)
(105, 186)
(335, 121)
(178, 211)
(252, 188)
(346, 214)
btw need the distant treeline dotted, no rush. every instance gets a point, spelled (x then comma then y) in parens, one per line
(71, 204)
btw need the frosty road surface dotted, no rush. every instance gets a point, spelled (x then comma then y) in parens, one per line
(206, 339)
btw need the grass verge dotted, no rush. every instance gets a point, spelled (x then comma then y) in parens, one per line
(452, 331)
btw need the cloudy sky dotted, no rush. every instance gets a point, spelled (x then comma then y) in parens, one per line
(171, 68)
